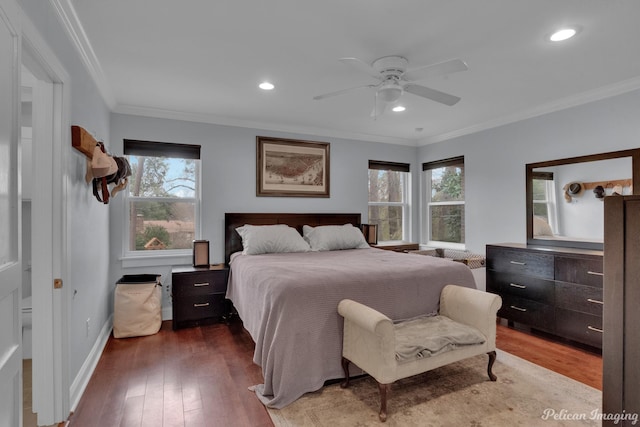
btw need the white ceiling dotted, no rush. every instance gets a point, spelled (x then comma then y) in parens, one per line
(203, 59)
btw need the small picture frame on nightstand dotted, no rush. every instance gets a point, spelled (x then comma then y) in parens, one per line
(200, 253)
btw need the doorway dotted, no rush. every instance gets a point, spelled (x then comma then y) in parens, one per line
(44, 115)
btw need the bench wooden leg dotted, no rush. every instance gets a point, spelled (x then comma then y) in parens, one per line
(492, 359)
(384, 391)
(345, 368)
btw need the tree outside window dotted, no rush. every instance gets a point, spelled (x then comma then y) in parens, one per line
(389, 199)
(445, 201)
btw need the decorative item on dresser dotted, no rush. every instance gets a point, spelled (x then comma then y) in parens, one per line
(553, 289)
(199, 294)
(398, 246)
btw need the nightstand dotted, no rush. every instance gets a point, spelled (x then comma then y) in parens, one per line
(198, 295)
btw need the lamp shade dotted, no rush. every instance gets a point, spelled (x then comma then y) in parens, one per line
(200, 253)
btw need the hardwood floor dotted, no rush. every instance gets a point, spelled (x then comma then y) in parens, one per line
(583, 364)
(199, 377)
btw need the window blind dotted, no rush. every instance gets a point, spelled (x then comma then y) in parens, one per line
(161, 149)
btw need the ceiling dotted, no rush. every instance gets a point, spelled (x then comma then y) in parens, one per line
(202, 60)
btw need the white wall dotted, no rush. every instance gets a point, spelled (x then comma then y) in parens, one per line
(87, 285)
(229, 180)
(495, 160)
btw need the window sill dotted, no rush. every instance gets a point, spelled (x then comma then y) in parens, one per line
(443, 245)
(155, 260)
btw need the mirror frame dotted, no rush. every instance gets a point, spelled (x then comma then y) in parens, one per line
(635, 176)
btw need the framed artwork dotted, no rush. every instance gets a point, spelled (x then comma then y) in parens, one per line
(291, 168)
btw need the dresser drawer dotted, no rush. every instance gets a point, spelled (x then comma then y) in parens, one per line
(532, 313)
(531, 263)
(581, 327)
(585, 271)
(199, 283)
(585, 299)
(521, 286)
(200, 307)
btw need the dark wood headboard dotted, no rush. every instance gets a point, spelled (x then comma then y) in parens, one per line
(233, 242)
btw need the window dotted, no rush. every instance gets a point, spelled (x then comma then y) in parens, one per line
(544, 209)
(444, 183)
(163, 197)
(389, 201)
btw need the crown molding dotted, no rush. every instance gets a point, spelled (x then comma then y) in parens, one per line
(275, 127)
(558, 105)
(72, 25)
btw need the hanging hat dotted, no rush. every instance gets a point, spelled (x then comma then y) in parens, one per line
(102, 164)
(574, 188)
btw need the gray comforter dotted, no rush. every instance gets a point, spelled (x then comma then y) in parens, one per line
(288, 303)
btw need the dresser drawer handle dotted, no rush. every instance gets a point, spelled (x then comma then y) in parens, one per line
(595, 301)
(595, 273)
(518, 263)
(515, 285)
(201, 284)
(206, 304)
(518, 308)
(591, 328)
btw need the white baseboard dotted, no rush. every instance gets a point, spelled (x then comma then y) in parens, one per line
(167, 313)
(84, 375)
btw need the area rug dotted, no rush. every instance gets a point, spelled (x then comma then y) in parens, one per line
(459, 394)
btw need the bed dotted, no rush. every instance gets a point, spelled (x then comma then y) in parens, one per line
(288, 301)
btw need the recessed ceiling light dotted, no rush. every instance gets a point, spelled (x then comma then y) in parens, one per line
(398, 108)
(563, 34)
(266, 86)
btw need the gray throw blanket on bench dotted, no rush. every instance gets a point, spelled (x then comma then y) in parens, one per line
(430, 336)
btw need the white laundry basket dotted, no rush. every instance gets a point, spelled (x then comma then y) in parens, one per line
(137, 306)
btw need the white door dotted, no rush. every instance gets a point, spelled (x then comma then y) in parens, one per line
(10, 258)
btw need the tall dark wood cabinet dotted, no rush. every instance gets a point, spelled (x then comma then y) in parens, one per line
(553, 289)
(621, 352)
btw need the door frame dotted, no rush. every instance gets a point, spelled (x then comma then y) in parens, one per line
(51, 384)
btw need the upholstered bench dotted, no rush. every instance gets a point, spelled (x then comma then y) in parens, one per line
(464, 327)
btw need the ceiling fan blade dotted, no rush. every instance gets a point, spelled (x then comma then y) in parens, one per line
(362, 66)
(441, 69)
(340, 92)
(432, 94)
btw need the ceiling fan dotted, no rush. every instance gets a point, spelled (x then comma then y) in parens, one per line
(395, 79)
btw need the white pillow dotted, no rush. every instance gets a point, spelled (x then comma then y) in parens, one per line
(266, 239)
(334, 237)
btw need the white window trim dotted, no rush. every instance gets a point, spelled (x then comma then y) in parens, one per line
(552, 210)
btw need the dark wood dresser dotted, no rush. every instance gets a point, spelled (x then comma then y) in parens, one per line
(553, 289)
(198, 295)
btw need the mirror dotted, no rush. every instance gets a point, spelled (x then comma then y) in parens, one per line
(564, 197)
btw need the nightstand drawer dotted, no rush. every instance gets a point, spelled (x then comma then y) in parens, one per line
(199, 307)
(521, 286)
(529, 312)
(199, 283)
(529, 263)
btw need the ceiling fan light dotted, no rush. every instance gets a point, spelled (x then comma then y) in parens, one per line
(266, 86)
(563, 34)
(398, 109)
(390, 93)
